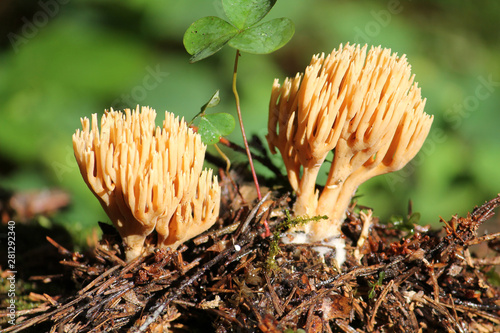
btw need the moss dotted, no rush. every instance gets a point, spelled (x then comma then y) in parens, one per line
(285, 225)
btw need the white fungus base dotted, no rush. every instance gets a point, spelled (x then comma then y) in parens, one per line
(302, 238)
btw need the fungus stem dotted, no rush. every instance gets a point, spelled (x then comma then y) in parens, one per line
(238, 109)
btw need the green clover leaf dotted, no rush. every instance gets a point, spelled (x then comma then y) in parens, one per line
(245, 13)
(213, 126)
(207, 36)
(265, 37)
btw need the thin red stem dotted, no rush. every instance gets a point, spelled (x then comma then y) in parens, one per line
(245, 142)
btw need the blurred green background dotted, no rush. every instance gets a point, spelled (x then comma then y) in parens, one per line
(61, 60)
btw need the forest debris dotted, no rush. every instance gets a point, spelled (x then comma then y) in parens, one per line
(380, 299)
(367, 223)
(405, 282)
(215, 303)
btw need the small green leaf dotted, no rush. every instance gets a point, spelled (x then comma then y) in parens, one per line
(245, 13)
(206, 36)
(265, 37)
(414, 219)
(493, 277)
(213, 102)
(396, 220)
(381, 277)
(213, 126)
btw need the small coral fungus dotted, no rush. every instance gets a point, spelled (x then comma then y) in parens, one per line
(148, 178)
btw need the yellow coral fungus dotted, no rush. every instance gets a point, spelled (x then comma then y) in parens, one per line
(146, 177)
(366, 107)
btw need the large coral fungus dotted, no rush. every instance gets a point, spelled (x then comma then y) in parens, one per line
(363, 106)
(146, 177)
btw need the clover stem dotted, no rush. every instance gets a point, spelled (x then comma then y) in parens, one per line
(245, 142)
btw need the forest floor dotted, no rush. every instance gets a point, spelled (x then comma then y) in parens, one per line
(398, 277)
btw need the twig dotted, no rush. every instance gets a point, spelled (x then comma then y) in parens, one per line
(227, 317)
(98, 279)
(485, 211)
(494, 261)
(299, 308)
(382, 296)
(290, 296)
(360, 271)
(43, 317)
(457, 321)
(62, 250)
(481, 239)
(309, 320)
(111, 256)
(164, 300)
(126, 269)
(243, 227)
(217, 233)
(274, 297)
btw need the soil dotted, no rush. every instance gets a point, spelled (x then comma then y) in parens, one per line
(398, 277)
